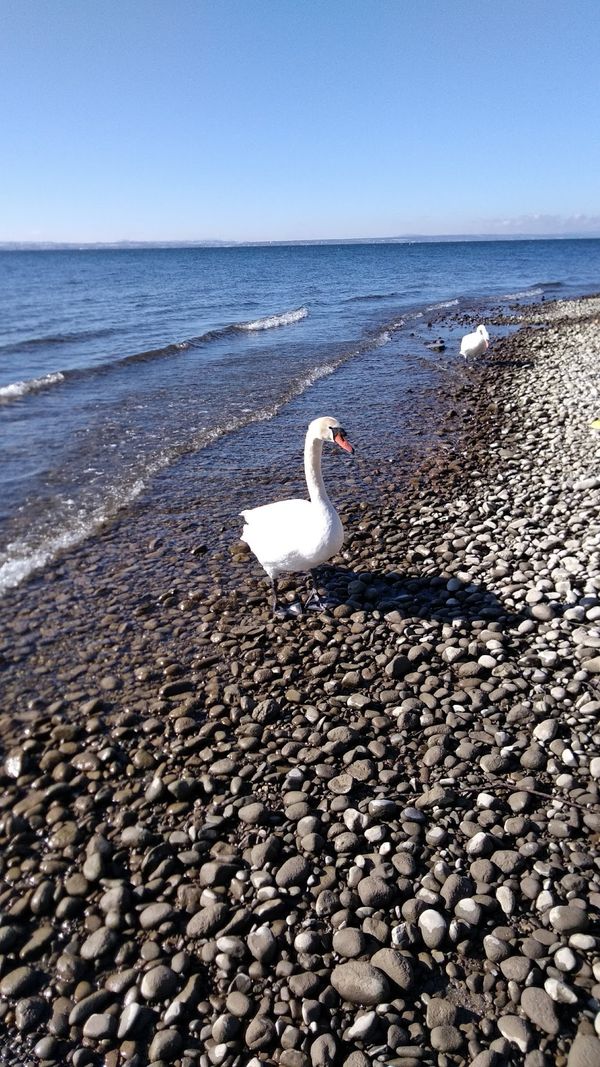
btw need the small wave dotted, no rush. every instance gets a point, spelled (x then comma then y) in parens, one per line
(442, 304)
(18, 389)
(382, 338)
(524, 293)
(270, 321)
(172, 349)
(31, 343)
(371, 296)
(23, 559)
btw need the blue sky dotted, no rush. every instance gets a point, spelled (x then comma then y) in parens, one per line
(297, 119)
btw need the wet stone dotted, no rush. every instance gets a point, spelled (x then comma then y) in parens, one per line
(19, 981)
(102, 942)
(158, 983)
(30, 1013)
(166, 1045)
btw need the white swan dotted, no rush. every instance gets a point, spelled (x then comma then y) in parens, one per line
(299, 535)
(475, 344)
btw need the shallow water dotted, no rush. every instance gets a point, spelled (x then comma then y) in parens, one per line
(120, 369)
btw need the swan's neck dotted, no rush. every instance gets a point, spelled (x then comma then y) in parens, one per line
(317, 492)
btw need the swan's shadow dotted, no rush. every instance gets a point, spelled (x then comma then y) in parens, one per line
(412, 595)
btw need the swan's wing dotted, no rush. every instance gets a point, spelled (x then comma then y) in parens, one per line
(280, 534)
(468, 341)
(277, 513)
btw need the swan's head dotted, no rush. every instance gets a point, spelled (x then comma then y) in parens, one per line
(328, 429)
(482, 330)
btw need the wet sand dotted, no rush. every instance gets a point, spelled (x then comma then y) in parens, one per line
(366, 836)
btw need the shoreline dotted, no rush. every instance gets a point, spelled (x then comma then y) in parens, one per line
(365, 836)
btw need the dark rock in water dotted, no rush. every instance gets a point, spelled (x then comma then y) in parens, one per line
(30, 1013)
(436, 346)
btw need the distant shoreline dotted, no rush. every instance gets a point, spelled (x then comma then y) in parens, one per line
(57, 246)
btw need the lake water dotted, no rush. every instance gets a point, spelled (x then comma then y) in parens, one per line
(117, 366)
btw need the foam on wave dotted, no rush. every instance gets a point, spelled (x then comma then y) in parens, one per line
(23, 559)
(524, 293)
(15, 390)
(443, 304)
(286, 318)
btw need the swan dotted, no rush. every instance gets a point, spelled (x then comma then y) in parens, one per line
(475, 344)
(299, 535)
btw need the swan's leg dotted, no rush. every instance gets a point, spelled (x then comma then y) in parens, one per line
(281, 612)
(315, 601)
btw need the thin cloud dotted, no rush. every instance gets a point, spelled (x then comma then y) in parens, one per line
(543, 224)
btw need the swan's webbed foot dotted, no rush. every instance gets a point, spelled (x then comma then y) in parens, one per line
(316, 600)
(288, 611)
(314, 603)
(284, 611)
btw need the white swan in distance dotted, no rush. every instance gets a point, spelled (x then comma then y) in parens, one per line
(475, 344)
(298, 535)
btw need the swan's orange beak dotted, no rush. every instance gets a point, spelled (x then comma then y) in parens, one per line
(340, 439)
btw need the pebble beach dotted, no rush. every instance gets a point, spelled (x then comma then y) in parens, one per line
(369, 836)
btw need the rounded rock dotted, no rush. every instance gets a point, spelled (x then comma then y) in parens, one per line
(360, 983)
(433, 927)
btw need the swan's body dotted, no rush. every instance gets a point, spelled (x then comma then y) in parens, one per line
(298, 535)
(475, 344)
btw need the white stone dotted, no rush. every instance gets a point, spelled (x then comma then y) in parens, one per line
(595, 767)
(400, 934)
(584, 942)
(427, 895)
(361, 1026)
(546, 730)
(544, 900)
(506, 899)
(559, 992)
(565, 959)
(435, 836)
(433, 927)
(477, 844)
(354, 820)
(470, 910)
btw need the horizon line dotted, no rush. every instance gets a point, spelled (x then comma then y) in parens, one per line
(15, 245)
